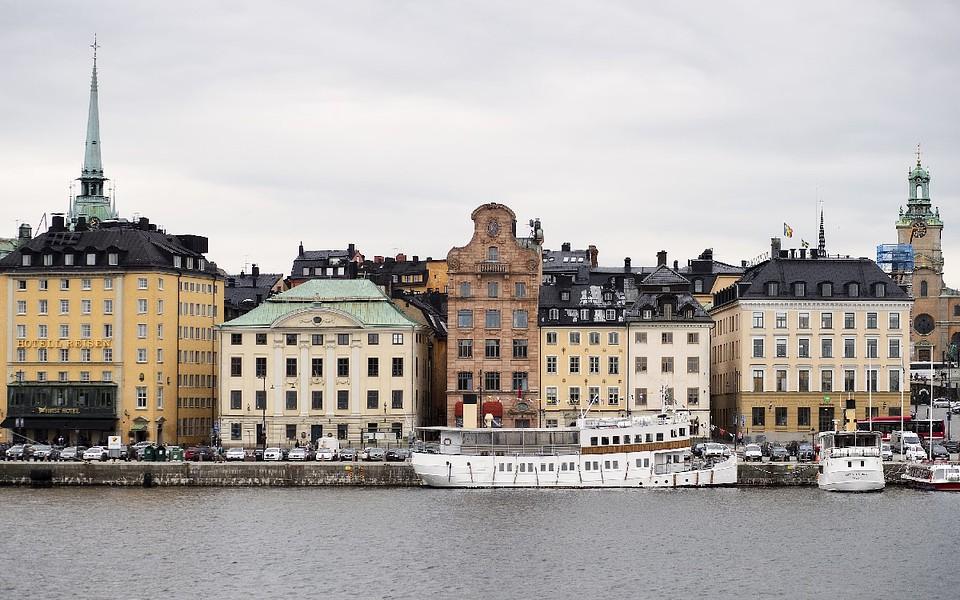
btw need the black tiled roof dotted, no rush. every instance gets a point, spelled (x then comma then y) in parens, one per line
(136, 248)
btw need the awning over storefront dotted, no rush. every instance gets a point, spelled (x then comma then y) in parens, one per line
(139, 425)
(60, 423)
(493, 407)
(458, 409)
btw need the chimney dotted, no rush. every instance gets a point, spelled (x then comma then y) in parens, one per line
(626, 264)
(592, 252)
(255, 272)
(416, 258)
(662, 258)
(351, 250)
(565, 247)
(143, 224)
(401, 257)
(378, 260)
(26, 232)
(774, 247)
(301, 250)
(81, 224)
(56, 224)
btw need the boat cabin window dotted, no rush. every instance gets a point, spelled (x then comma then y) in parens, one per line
(616, 464)
(502, 467)
(530, 466)
(626, 439)
(509, 466)
(605, 441)
(586, 466)
(563, 466)
(649, 437)
(673, 433)
(616, 440)
(606, 464)
(593, 441)
(596, 465)
(660, 437)
(683, 431)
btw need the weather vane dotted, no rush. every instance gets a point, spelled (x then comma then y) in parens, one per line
(94, 45)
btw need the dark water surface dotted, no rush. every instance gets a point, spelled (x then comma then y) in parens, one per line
(495, 544)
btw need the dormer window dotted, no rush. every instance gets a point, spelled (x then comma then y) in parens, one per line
(25, 260)
(554, 314)
(647, 314)
(202, 264)
(608, 296)
(773, 288)
(493, 254)
(879, 290)
(799, 289)
(667, 311)
(189, 262)
(68, 259)
(91, 259)
(853, 290)
(826, 289)
(47, 260)
(176, 260)
(565, 295)
(697, 286)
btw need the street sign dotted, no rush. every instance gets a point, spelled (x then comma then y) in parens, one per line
(113, 442)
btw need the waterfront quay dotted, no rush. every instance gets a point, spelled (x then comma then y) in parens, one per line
(309, 474)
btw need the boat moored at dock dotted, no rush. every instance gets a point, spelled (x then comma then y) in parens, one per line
(850, 461)
(609, 452)
(943, 476)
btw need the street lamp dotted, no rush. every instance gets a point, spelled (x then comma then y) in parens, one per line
(263, 407)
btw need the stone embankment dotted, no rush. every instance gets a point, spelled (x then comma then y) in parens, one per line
(250, 474)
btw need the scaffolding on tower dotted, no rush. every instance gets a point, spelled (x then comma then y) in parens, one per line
(896, 260)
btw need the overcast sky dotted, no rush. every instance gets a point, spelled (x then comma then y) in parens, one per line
(634, 126)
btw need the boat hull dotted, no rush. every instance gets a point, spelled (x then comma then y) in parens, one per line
(563, 471)
(836, 476)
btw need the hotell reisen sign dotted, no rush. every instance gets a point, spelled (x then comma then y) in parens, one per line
(105, 343)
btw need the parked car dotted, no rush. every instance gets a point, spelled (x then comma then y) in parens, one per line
(325, 454)
(95, 453)
(72, 453)
(273, 454)
(915, 453)
(697, 449)
(902, 441)
(19, 452)
(778, 452)
(941, 402)
(886, 451)
(376, 454)
(952, 446)
(235, 454)
(300, 454)
(397, 454)
(42, 452)
(752, 452)
(348, 454)
(939, 452)
(805, 452)
(713, 449)
(199, 453)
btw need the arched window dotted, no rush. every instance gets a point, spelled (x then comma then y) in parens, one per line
(697, 286)
(919, 191)
(493, 254)
(923, 289)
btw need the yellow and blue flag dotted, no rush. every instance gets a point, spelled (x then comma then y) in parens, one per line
(787, 230)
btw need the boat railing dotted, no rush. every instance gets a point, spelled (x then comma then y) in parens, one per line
(488, 450)
(854, 451)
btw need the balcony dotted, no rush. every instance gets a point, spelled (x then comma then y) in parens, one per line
(492, 267)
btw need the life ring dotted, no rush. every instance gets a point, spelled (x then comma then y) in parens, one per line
(446, 441)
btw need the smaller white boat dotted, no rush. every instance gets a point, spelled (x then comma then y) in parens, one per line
(942, 476)
(850, 461)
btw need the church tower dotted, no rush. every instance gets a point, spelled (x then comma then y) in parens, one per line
(92, 203)
(936, 312)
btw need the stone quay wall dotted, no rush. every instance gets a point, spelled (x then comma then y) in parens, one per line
(254, 474)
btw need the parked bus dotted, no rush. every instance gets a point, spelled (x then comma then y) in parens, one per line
(885, 425)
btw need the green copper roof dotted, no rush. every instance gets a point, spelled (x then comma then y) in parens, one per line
(359, 298)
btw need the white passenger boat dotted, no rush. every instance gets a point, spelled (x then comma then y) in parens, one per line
(609, 452)
(850, 461)
(943, 476)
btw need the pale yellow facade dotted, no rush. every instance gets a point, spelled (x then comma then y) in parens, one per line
(785, 369)
(579, 364)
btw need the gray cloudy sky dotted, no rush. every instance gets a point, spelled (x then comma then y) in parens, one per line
(636, 126)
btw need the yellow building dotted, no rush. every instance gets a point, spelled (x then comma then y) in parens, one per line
(803, 337)
(327, 357)
(97, 321)
(110, 323)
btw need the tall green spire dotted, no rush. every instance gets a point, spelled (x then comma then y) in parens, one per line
(92, 203)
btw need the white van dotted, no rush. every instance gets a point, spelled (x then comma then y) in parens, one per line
(902, 441)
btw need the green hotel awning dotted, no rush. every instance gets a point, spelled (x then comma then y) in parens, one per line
(139, 425)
